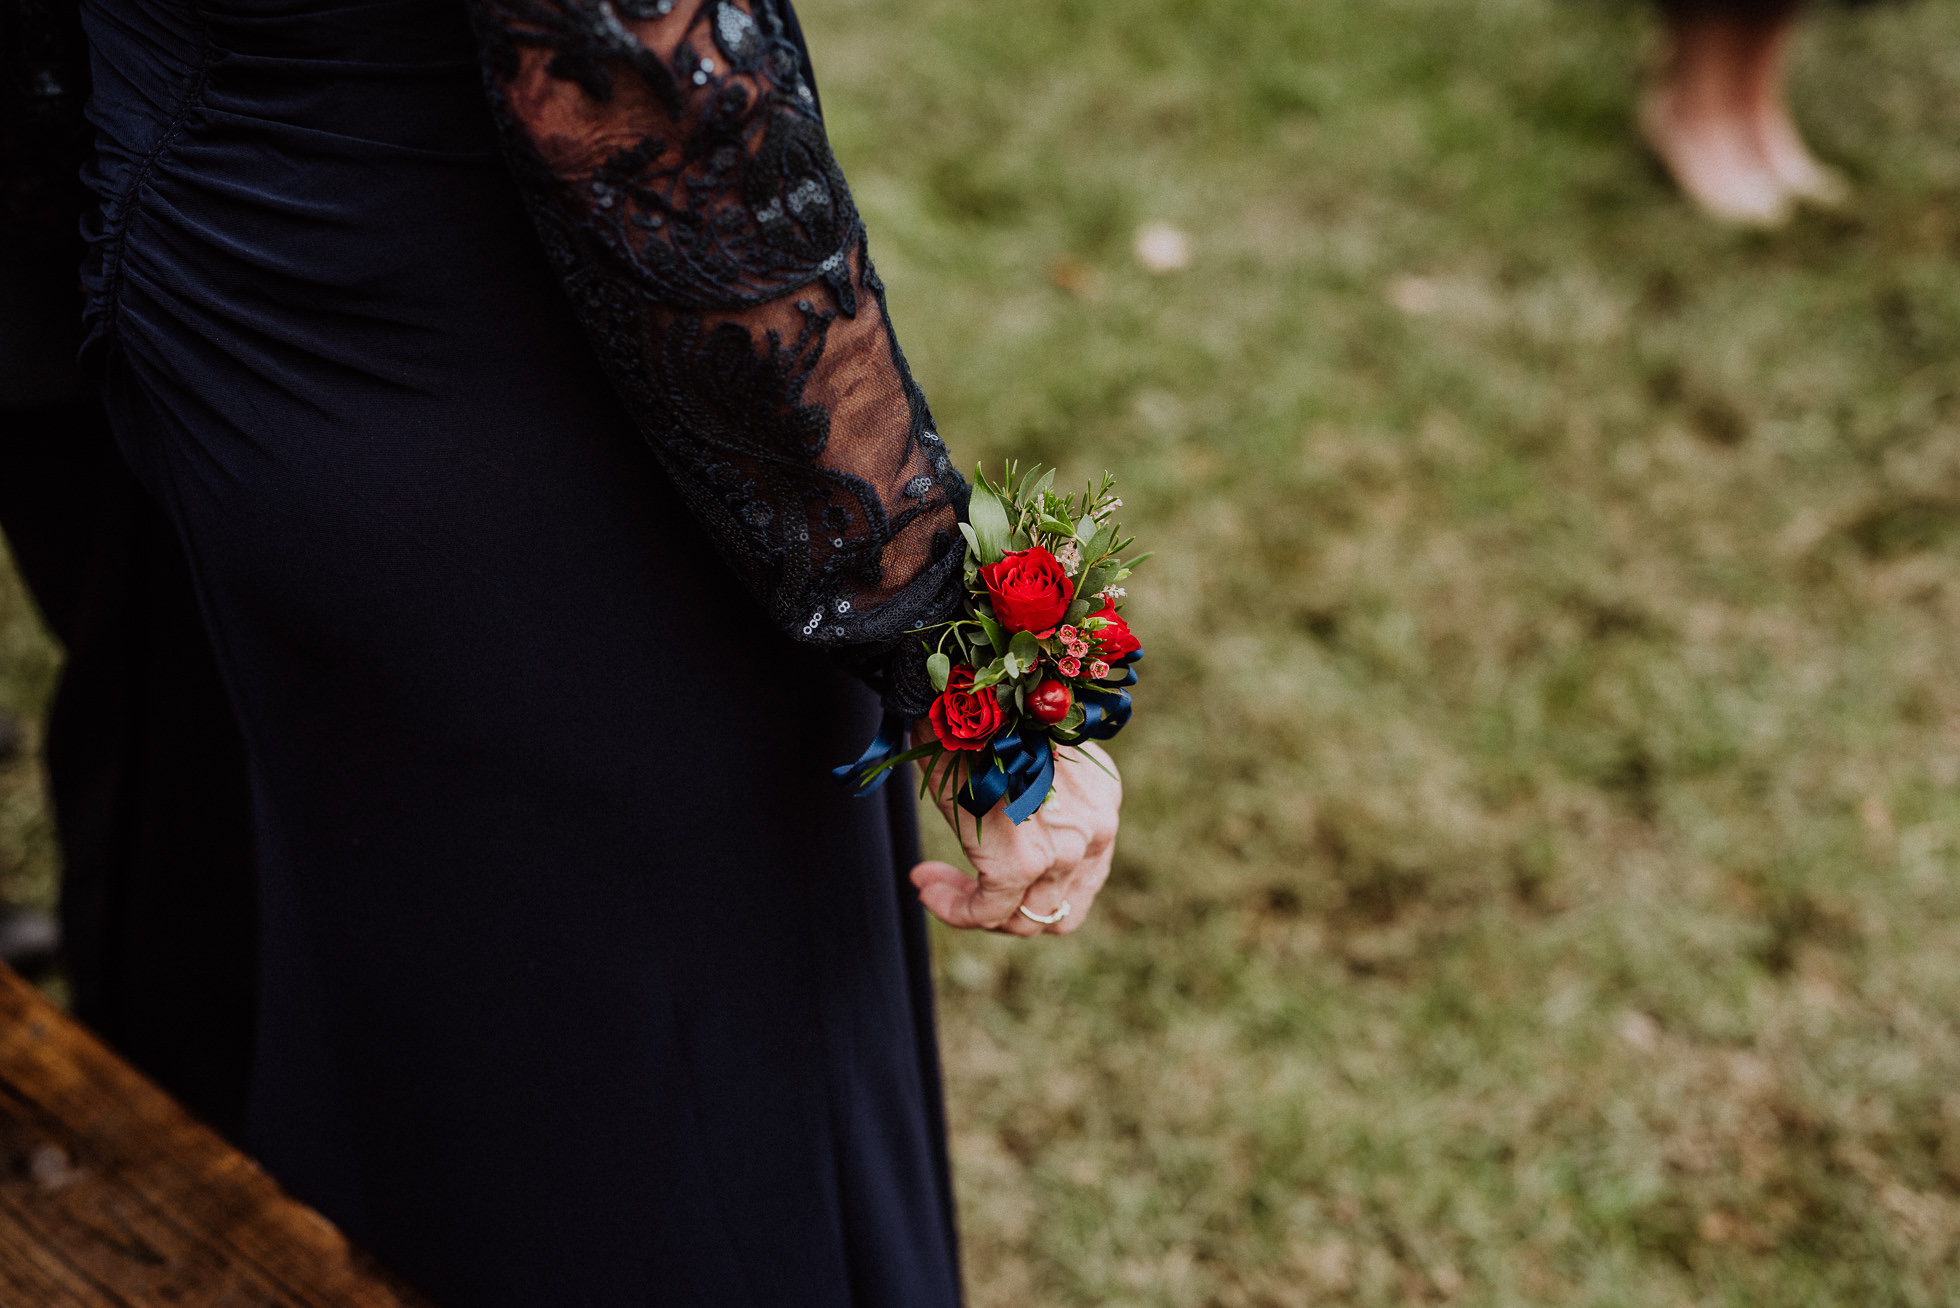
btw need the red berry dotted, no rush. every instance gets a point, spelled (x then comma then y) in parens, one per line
(1050, 702)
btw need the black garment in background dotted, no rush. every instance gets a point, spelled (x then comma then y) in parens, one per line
(145, 768)
(44, 138)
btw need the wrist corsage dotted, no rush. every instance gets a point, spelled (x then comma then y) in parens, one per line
(1040, 656)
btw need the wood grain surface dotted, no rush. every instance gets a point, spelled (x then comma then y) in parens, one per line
(111, 1196)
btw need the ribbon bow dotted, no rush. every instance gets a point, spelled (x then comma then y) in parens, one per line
(1017, 767)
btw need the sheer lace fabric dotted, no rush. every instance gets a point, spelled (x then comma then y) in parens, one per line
(675, 162)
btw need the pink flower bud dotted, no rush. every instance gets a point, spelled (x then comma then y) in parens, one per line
(1098, 669)
(1070, 667)
(1078, 648)
(1069, 635)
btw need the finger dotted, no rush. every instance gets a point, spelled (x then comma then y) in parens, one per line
(1019, 856)
(947, 894)
(1083, 889)
(1010, 920)
(1009, 863)
(1003, 912)
(1068, 847)
(1059, 846)
(1081, 868)
(952, 897)
(1046, 897)
(1019, 926)
(1101, 844)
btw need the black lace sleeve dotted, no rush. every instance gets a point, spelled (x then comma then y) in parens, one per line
(675, 162)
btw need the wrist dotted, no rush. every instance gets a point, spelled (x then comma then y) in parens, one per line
(907, 689)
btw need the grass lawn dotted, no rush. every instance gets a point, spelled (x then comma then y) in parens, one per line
(28, 861)
(1544, 807)
(1539, 883)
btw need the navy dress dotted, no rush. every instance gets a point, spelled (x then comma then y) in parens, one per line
(544, 616)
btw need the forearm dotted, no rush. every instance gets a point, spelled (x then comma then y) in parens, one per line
(678, 170)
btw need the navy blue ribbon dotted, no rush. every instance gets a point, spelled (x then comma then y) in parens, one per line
(871, 770)
(1107, 711)
(1017, 768)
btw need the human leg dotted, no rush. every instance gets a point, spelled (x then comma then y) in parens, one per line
(1712, 110)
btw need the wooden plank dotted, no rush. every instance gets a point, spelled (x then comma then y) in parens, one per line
(111, 1196)
(31, 1274)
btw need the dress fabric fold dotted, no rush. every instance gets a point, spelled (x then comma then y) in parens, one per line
(580, 981)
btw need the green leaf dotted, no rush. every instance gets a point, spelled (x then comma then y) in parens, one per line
(1093, 582)
(910, 755)
(1130, 566)
(1032, 494)
(1085, 530)
(987, 517)
(1012, 663)
(1099, 543)
(1076, 612)
(996, 634)
(989, 675)
(972, 538)
(939, 668)
(1024, 649)
(1077, 715)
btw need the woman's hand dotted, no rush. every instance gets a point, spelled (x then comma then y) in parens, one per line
(1060, 855)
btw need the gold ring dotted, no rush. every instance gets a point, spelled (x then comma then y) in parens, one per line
(1051, 919)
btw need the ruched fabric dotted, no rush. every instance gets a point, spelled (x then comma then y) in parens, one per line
(581, 982)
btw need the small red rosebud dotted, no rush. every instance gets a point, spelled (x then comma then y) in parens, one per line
(1114, 637)
(1050, 702)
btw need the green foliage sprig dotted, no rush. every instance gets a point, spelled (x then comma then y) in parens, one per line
(1023, 511)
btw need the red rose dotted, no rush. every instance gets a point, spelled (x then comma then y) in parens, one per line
(961, 718)
(1029, 589)
(1115, 639)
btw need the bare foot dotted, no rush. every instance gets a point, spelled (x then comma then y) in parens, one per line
(1792, 162)
(1764, 53)
(1717, 117)
(1716, 159)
